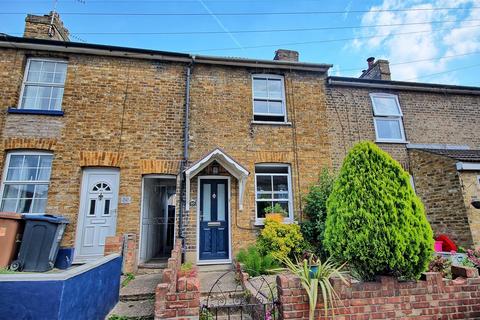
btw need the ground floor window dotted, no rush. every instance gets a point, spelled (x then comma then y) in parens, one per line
(273, 186)
(25, 182)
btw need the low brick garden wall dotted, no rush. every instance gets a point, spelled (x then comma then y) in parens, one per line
(432, 298)
(178, 295)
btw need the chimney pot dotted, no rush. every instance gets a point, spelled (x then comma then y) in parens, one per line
(286, 55)
(370, 62)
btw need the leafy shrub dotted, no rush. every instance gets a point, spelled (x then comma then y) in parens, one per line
(277, 208)
(474, 257)
(255, 263)
(315, 208)
(280, 240)
(442, 265)
(375, 222)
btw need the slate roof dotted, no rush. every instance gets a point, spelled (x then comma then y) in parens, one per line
(460, 155)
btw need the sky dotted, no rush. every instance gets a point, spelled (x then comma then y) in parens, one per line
(425, 41)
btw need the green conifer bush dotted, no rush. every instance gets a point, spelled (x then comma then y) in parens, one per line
(375, 222)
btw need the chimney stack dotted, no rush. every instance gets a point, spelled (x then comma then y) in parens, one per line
(377, 70)
(286, 55)
(48, 27)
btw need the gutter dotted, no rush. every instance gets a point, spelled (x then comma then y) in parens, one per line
(400, 85)
(7, 41)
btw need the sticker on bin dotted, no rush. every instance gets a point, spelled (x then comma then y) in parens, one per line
(3, 231)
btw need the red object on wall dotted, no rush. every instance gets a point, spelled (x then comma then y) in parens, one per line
(448, 244)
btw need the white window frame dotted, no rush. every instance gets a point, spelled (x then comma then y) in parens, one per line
(382, 116)
(284, 105)
(290, 218)
(25, 82)
(35, 182)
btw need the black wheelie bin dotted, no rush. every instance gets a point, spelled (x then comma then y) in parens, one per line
(40, 243)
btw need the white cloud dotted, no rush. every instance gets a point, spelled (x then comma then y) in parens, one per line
(429, 41)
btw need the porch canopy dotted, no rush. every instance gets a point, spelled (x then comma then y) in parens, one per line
(232, 166)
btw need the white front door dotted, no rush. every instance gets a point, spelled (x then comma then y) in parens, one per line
(97, 218)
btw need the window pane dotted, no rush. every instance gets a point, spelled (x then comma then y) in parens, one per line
(26, 190)
(260, 106)
(207, 195)
(13, 174)
(31, 161)
(280, 183)
(93, 203)
(10, 191)
(386, 106)
(29, 97)
(220, 202)
(60, 72)
(106, 208)
(45, 161)
(9, 205)
(16, 161)
(389, 129)
(274, 88)
(29, 174)
(271, 169)
(41, 191)
(33, 73)
(283, 204)
(264, 183)
(24, 205)
(39, 205)
(275, 107)
(261, 205)
(260, 88)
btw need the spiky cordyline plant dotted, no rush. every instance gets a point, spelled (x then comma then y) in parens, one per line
(320, 279)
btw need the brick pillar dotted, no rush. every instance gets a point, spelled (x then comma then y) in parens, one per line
(125, 245)
(113, 244)
(130, 253)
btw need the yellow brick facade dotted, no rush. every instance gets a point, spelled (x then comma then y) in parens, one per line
(118, 112)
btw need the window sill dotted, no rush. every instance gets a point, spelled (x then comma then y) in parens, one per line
(392, 141)
(35, 111)
(272, 123)
(260, 222)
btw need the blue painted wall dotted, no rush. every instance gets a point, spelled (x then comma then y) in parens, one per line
(89, 295)
(93, 294)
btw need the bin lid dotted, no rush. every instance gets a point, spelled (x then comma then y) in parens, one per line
(10, 215)
(46, 217)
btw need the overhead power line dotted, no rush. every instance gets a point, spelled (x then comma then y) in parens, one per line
(415, 61)
(273, 30)
(443, 72)
(333, 40)
(243, 13)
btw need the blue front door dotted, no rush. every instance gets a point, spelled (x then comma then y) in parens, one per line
(214, 241)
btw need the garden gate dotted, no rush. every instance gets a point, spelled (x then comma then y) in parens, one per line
(255, 298)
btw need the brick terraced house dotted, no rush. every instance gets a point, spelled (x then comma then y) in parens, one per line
(431, 129)
(157, 144)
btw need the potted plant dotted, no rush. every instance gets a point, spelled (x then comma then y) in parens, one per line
(275, 212)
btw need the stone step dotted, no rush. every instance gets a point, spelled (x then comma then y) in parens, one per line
(141, 288)
(135, 310)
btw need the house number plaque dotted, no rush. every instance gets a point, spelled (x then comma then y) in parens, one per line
(125, 200)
